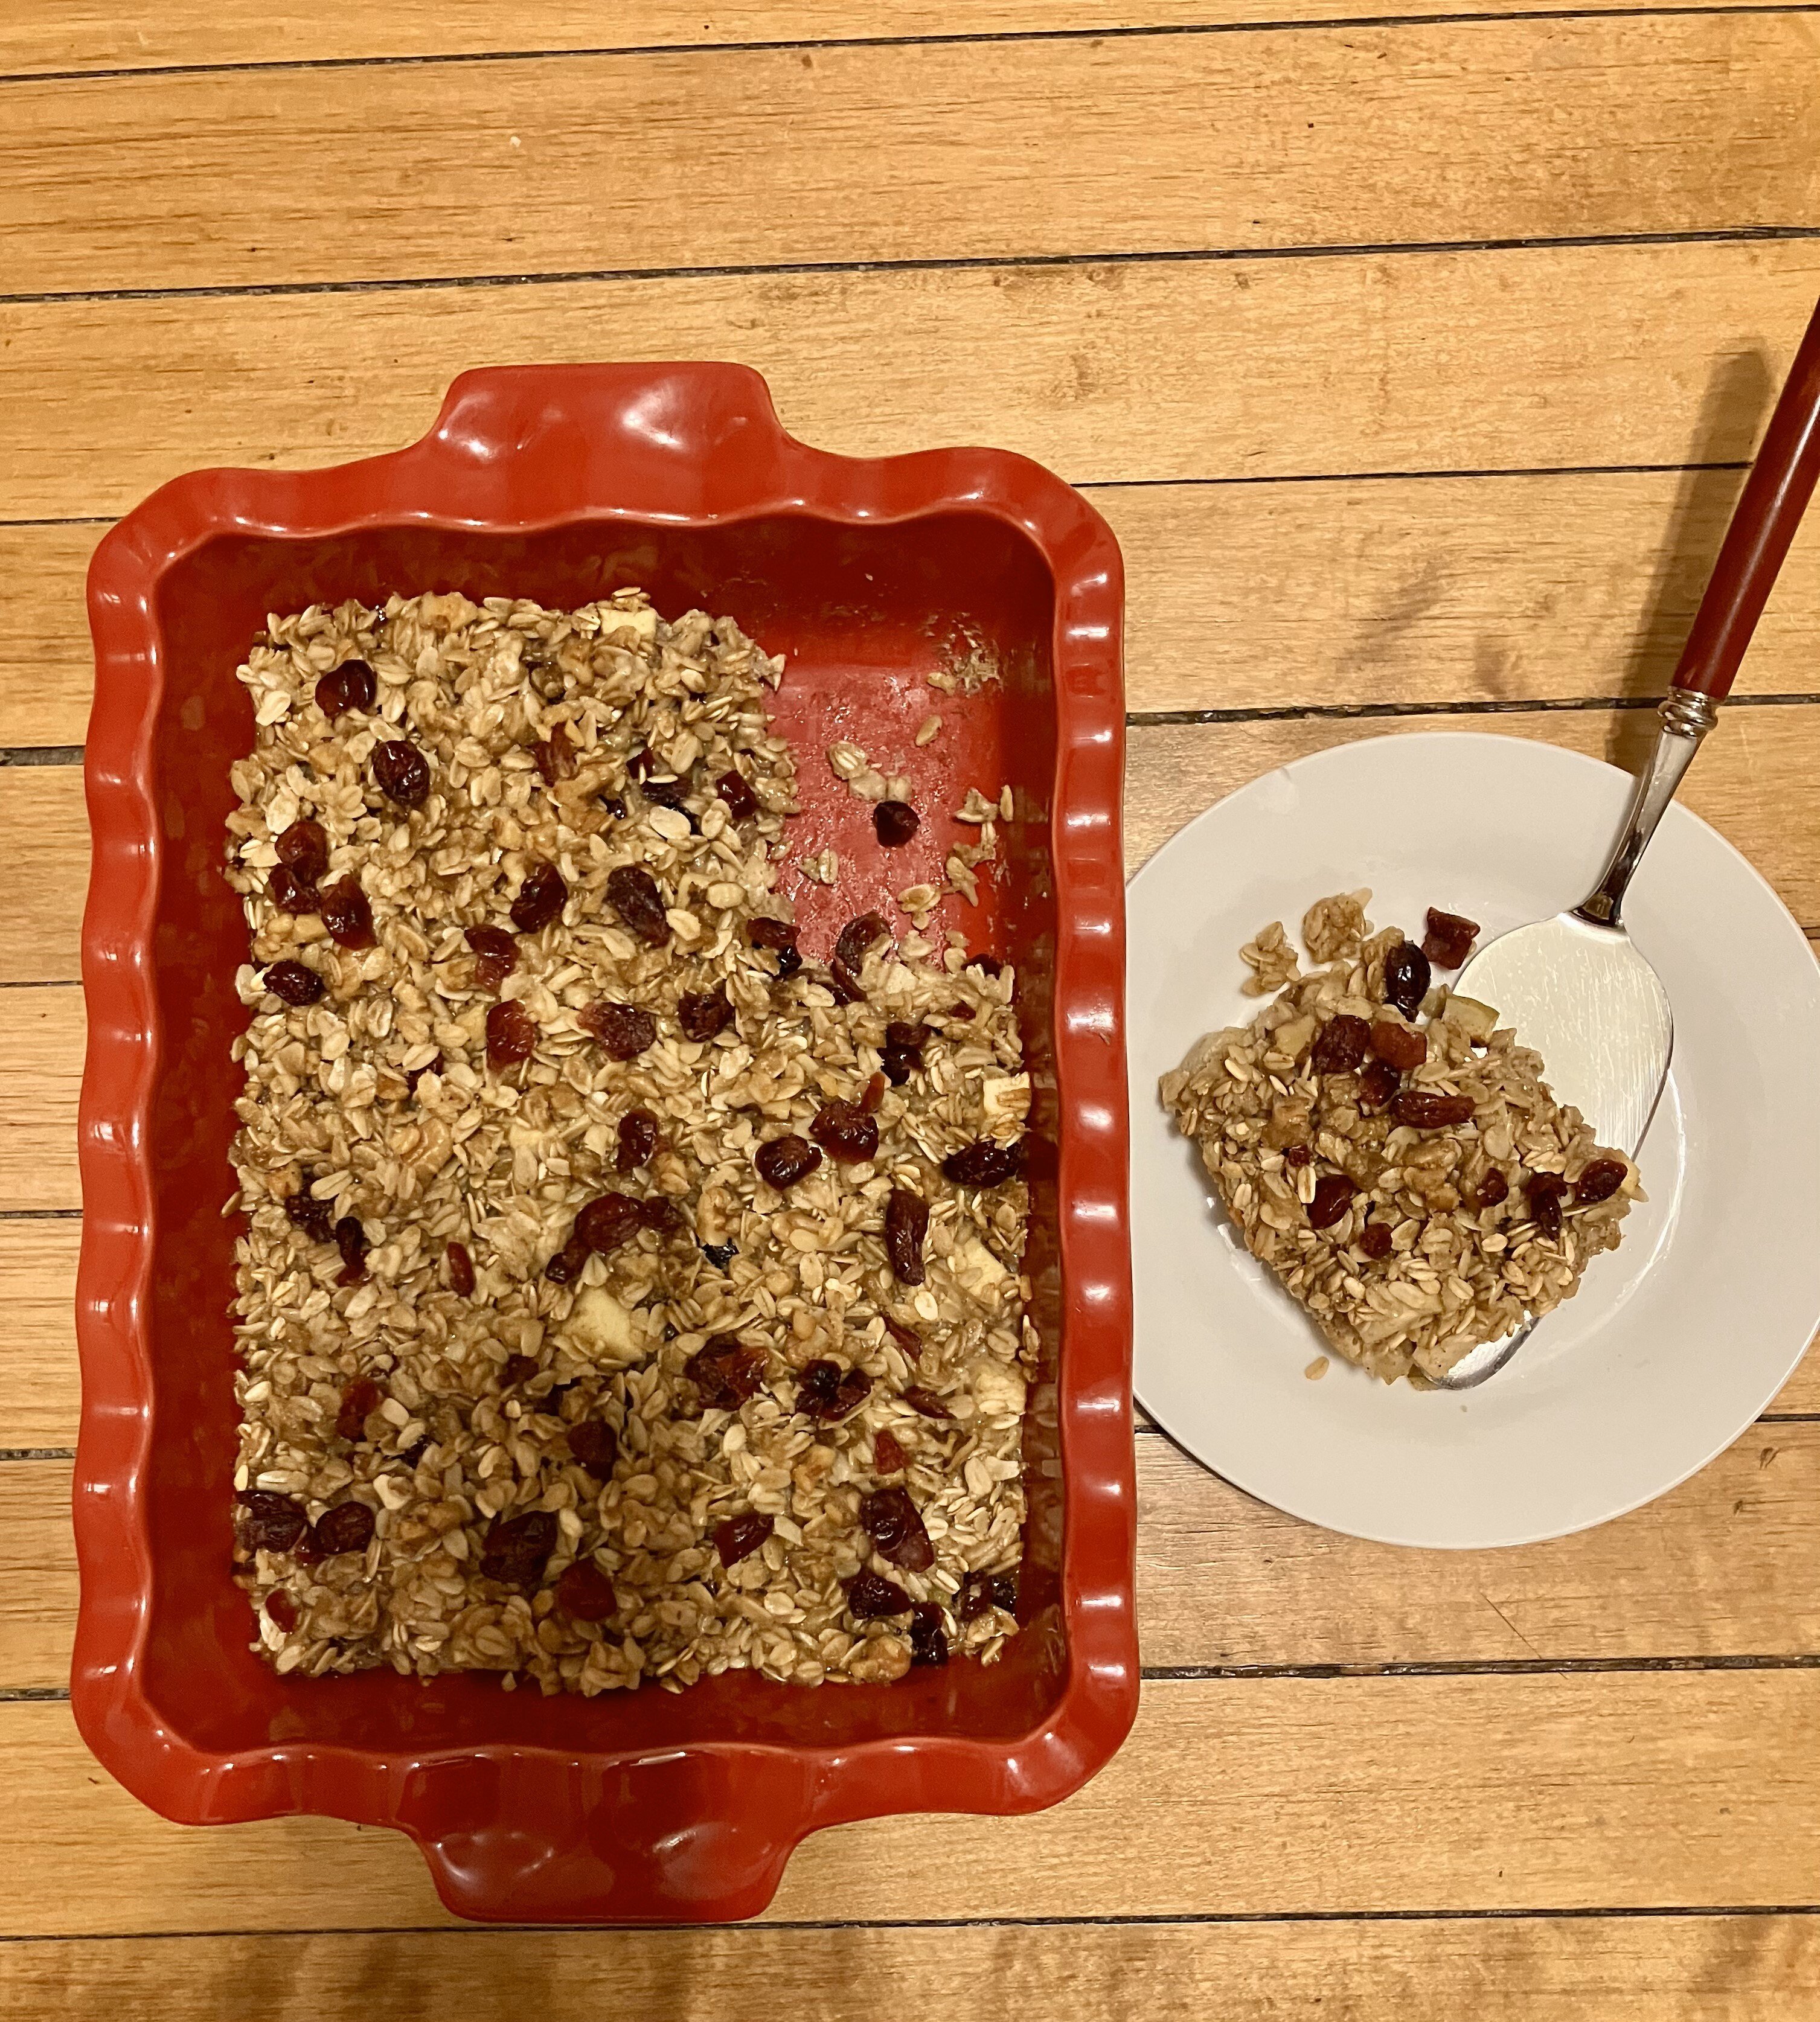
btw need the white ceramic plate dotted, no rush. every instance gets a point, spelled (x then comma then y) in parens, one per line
(1675, 1342)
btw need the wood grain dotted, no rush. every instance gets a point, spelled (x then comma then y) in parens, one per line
(40, 1395)
(1282, 1797)
(1404, 590)
(41, 1070)
(38, 1574)
(1509, 1969)
(1523, 359)
(1546, 128)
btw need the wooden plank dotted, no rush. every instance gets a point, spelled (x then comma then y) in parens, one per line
(1439, 589)
(1281, 1797)
(1546, 128)
(40, 1077)
(37, 1573)
(39, 1394)
(1529, 358)
(1508, 1970)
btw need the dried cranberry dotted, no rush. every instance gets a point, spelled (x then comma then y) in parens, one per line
(857, 939)
(987, 964)
(705, 1014)
(347, 913)
(518, 1547)
(303, 850)
(518, 1369)
(888, 1457)
(1374, 1239)
(740, 1536)
(608, 1222)
(347, 1527)
(281, 1610)
(906, 1338)
(845, 984)
(1377, 1085)
(293, 982)
(596, 1445)
(826, 1392)
(1427, 1111)
(511, 1035)
(928, 1639)
(845, 1132)
(1449, 938)
(903, 1038)
(662, 1214)
(584, 1594)
(779, 936)
(742, 802)
(871, 1596)
(984, 1163)
(402, 772)
(566, 1265)
(350, 686)
(975, 1597)
(1333, 1193)
(668, 792)
(894, 822)
(1599, 1181)
(417, 1074)
(726, 1370)
(872, 1094)
(720, 1254)
(897, 1529)
(906, 1224)
(637, 1140)
(1406, 976)
(316, 1218)
(963, 1011)
(351, 1240)
(623, 1030)
(1398, 1045)
(613, 806)
(555, 757)
(495, 956)
(781, 1162)
(359, 1401)
(1297, 1156)
(1339, 1045)
(541, 899)
(1492, 1188)
(461, 1270)
(270, 1522)
(1545, 1190)
(1005, 1592)
(633, 894)
(926, 1402)
(288, 895)
(414, 1454)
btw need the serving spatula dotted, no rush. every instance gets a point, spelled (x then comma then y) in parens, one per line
(1575, 988)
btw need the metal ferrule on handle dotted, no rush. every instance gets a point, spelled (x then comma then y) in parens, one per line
(1687, 717)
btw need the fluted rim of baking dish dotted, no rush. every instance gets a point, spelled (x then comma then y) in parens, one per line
(491, 465)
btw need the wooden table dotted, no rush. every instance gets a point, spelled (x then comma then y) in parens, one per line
(1415, 363)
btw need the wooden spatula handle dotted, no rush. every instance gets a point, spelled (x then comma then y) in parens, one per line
(1776, 495)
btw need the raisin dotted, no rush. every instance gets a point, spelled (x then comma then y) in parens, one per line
(894, 822)
(495, 956)
(612, 806)
(1492, 1188)
(303, 850)
(781, 1162)
(984, 1163)
(872, 1095)
(1339, 1045)
(871, 1597)
(351, 1240)
(360, 1399)
(740, 1536)
(705, 1014)
(778, 935)
(293, 983)
(289, 894)
(541, 899)
(633, 894)
(637, 1140)
(906, 1224)
(624, 1030)
(511, 1035)
(347, 1527)
(270, 1522)
(888, 1457)
(902, 1037)
(987, 964)
(518, 1547)
(350, 686)
(608, 1222)
(1005, 1592)
(974, 1598)
(720, 1254)
(1449, 939)
(1544, 1191)
(1378, 1083)
(281, 1610)
(965, 1012)
(555, 757)
(566, 1265)
(584, 1594)
(857, 939)
(417, 1074)
(1599, 1181)
(347, 913)
(402, 772)
(668, 792)
(414, 1454)
(1427, 1111)
(907, 1338)
(1374, 1239)
(845, 1133)
(518, 1369)
(897, 1529)
(1400, 1046)
(461, 1270)
(1406, 975)
(1333, 1193)
(726, 1370)
(596, 1445)
(316, 1218)
(662, 1214)
(742, 802)
(928, 1639)
(926, 1402)
(900, 1064)
(844, 984)
(826, 1392)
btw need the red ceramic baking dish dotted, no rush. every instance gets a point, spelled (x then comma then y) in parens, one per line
(562, 484)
